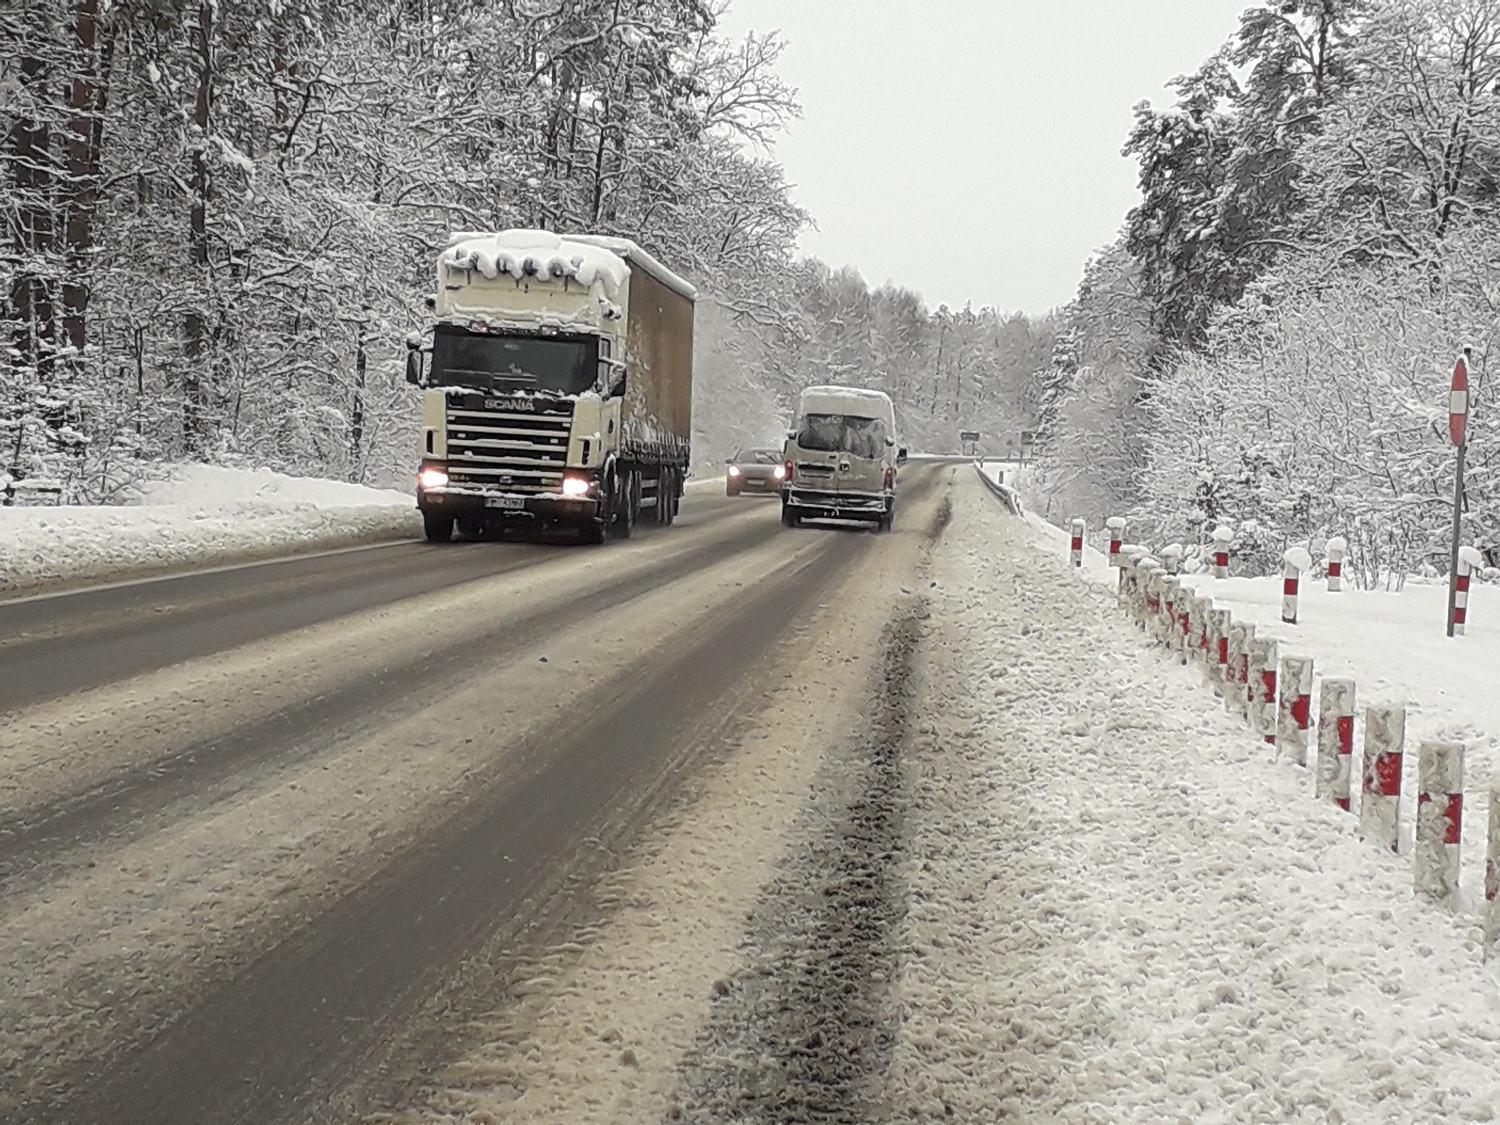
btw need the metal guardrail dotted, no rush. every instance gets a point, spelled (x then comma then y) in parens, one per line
(1008, 495)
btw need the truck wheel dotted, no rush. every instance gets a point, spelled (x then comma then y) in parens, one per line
(887, 520)
(666, 497)
(790, 516)
(437, 527)
(629, 507)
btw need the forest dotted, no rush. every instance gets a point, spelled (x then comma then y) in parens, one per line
(1268, 344)
(220, 222)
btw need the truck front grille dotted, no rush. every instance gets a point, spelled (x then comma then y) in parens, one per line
(508, 451)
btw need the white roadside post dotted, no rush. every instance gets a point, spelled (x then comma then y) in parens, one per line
(1337, 548)
(1293, 563)
(1202, 625)
(1185, 600)
(1260, 691)
(1469, 560)
(1177, 596)
(1240, 637)
(1150, 592)
(1166, 595)
(1380, 794)
(1220, 621)
(1295, 712)
(1222, 537)
(1171, 557)
(1335, 740)
(1139, 580)
(1116, 525)
(1132, 592)
(1075, 545)
(1440, 814)
(1458, 434)
(1492, 874)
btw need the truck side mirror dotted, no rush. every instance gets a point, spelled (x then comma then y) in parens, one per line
(413, 365)
(901, 456)
(617, 381)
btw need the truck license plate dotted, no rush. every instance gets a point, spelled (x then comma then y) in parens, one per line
(510, 503)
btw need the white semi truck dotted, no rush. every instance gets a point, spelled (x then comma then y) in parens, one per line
(558, 386)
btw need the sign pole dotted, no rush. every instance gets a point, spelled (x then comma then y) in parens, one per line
(1458, 416)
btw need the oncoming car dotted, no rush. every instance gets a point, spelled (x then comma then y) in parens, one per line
(754, 470)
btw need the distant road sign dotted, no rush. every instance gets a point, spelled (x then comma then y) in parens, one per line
(1458, 402)
(968, 435)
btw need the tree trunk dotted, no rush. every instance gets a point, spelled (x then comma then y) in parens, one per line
(195, 395)
(35, 335)
(357, 406)
(86, 98)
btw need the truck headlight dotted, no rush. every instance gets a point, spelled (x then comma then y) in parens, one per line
(432, 478)
(576, 486)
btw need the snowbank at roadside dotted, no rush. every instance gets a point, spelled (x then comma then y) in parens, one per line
(1124, 909)
(194, 515)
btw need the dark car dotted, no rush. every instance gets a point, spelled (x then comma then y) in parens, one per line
(754, 470)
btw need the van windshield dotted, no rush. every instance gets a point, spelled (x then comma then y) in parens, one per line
(843, 433)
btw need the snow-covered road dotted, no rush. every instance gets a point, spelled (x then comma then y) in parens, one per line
(1104, 902)
(964, 848)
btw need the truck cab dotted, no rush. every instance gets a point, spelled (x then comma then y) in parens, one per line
(557, 390)
(841, 457)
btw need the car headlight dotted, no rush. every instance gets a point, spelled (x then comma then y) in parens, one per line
(778, 472)
(432, 478)
(734, 470)
(576, 486)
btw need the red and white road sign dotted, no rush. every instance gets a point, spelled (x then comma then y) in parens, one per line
(1458, 402)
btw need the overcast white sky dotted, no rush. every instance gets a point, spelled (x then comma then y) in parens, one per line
(970, 149)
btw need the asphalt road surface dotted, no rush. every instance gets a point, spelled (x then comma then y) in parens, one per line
(269, 833)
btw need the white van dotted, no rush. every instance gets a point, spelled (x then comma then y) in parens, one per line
(841, 457)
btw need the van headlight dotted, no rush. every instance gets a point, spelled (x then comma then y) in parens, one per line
(431, 477)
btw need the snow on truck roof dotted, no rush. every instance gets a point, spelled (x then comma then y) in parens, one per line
(838, 400)
(586, 258)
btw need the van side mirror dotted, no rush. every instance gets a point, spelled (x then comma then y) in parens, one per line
(901, 456)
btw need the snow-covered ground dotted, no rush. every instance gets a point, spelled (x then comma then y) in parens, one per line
(1127, 910)
(1394, 645)
(194, 515)
(1118, 906)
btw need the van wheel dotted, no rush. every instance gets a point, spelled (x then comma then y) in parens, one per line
(437, 527)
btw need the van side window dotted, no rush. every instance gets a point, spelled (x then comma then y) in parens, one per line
(846, 433)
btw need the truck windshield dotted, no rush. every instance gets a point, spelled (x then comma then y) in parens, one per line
(843, 433)
(490, 361)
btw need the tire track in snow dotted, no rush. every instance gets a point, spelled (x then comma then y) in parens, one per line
(805, 1031)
